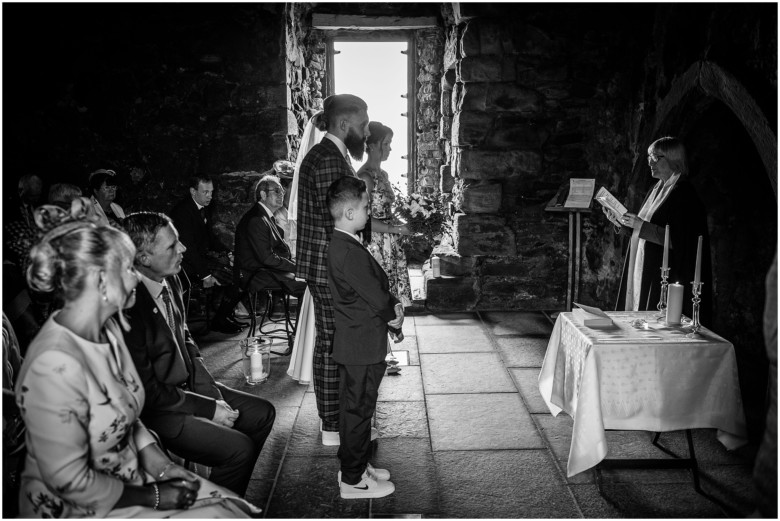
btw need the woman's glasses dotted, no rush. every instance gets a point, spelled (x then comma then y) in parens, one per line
(654, 158)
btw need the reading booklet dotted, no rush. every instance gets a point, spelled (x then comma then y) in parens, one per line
(608, 200)
(590, 316)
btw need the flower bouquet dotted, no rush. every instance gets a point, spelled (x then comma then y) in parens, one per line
(426, 217)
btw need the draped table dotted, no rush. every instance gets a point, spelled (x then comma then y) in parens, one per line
(652, 379)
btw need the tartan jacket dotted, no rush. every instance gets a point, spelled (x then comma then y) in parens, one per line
(323, 165)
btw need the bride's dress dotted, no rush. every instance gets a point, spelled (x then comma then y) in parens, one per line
(302, 357)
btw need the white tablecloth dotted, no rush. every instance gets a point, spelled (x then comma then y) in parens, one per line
(652, 379)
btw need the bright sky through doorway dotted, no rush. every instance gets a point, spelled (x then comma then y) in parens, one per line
(377, 72)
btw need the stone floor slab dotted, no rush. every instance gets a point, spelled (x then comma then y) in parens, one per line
(455, 339)
(502, 484)
(447, 319)
(307, 488)
(516, 323)
(409, 343)
(523, 351)
(465, 373)
(281, 390)
(401, 419)
(527, 380)
(654, 500)
(306, 437)
(480, 422)
(275, 445)
(405, 386)
(413, 472)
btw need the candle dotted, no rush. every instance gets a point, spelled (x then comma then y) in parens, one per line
(665, 264)
(674, 303)
(697, 273)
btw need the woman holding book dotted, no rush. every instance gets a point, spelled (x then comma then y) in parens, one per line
(672, 201)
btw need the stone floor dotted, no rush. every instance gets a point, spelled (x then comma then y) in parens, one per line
(465, 433)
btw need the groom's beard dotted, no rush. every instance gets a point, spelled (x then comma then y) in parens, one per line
(356, 145)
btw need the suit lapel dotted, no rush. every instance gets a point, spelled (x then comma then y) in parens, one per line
(377, 267)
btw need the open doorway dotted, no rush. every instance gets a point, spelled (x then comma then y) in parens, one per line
(377, 72)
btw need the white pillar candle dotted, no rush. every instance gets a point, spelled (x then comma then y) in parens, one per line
(674, 303)
(665, 264)
(697, 273)
(436, 267)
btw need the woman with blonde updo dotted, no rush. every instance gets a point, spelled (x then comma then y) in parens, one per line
(88, 455)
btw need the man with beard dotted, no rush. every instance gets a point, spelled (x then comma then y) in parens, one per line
(345, 118)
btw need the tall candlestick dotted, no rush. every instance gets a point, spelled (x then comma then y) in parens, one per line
(666, 249)
(674, 303)
(697, 273)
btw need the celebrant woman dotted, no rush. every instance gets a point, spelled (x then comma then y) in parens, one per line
(673, 202)
(88, 454)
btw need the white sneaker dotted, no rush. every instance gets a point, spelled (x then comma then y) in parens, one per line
(331, 438)
(367, 488)
(374, 473)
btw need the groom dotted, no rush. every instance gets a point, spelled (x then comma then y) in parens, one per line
(345, 117)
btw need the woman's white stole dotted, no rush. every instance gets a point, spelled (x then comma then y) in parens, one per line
(636, 260)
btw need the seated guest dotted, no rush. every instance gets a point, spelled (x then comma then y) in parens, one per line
(197, 418)
(19, 230)
(263, 258)
(192, 218)
(62, 194)
(88, 454)
(103, 186)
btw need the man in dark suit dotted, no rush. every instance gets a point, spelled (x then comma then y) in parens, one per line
(345, 117)
(263, 258)
(192, 217)
(197, 418)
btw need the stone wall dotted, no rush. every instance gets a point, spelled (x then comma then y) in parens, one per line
(163, 90)
(430, 125)
(530, 107)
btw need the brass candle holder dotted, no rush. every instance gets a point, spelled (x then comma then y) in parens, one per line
(695, 323)
(664, 295)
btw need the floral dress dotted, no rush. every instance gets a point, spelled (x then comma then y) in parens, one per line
(385, 246)
(80, 401)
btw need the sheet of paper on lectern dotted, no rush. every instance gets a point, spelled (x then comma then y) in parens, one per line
(580, 193)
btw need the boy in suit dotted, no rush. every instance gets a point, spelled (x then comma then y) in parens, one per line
(364, 311)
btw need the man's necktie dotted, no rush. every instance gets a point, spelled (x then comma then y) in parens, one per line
(169, 308)
(203, 214)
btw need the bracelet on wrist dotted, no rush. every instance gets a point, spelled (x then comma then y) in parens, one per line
(156, 496)
(164, 470)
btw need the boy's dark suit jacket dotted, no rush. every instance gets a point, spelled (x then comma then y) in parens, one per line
(197, 236)
(260, 244)
(175, 385)
(362, 302)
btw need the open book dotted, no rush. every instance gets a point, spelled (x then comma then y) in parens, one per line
(591, 317)
(609, 201)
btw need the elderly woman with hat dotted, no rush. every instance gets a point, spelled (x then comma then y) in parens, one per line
(103, 185)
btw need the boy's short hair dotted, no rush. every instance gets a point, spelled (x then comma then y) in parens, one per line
(342, 192)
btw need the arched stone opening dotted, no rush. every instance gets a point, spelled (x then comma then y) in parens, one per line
(734, 171)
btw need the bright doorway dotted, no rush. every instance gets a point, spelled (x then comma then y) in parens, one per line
(377, 72)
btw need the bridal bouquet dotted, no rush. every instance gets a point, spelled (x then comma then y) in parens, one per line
(426, 216)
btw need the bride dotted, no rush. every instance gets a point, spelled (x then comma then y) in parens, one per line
(302, 357)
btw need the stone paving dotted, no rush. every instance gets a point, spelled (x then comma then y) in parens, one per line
(466, 434)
